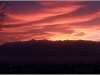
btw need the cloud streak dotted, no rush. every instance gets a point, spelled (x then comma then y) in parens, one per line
(53, 20)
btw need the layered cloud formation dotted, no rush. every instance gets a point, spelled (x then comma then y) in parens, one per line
(53, 20)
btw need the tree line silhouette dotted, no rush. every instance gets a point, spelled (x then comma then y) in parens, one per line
(69, 51)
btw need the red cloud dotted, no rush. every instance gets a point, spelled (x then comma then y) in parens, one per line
(80, 34)
(53, 20)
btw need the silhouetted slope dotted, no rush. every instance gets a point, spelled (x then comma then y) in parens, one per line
(51, 51)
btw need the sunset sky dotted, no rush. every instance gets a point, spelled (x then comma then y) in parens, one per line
(52, 20)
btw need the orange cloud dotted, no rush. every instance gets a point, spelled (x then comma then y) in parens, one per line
(50, 3)
(56, 3)
(43, 13)
(64, 19)
(54, 21)
(80, 34)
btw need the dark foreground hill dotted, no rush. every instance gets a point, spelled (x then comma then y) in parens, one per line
(45, 56)
(51, 51)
